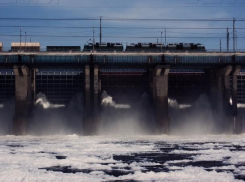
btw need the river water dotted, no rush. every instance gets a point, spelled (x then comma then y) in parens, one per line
(125, 158)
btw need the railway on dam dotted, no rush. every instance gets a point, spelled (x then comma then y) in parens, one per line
(126, 77)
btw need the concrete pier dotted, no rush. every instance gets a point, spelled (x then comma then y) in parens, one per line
(237, 127)
(24, 95)
(87, 100)
(92, 104)
(96, 103)
(160, 95)
(220, 95)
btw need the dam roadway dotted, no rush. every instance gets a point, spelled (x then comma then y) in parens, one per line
(125, 76)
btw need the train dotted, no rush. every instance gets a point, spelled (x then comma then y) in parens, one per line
(145, 47)
(112, 47)
(118, 47)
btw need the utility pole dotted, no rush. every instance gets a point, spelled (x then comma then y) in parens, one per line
(93, 39)
(20, 38)
(220, 45)
(228, 39)
(100, 30)
(234, 34)
(25, 41)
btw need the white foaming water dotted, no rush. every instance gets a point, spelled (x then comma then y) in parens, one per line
(238, 105)
(175, 104)
(100, 154)
(108, 101)
(42, 100)
(241, 105)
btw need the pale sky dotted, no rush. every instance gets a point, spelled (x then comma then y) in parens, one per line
(121, 31)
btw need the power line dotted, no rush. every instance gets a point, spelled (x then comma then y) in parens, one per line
(124, 27)
(147, 37)
(122, 19)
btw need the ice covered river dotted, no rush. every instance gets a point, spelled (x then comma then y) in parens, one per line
(131, 158)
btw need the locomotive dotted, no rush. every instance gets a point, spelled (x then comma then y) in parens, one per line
(103, 47)
(186, 47)
(145, 47)
(63, 48)
(172, 47)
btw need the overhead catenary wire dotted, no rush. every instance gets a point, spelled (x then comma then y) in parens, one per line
(61, 36)
(121, 19)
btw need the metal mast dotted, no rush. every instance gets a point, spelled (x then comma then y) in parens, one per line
(234, 34)
(20, 38)
(161, 41)
(236, 39)
(220, 45)
(93, 39)
(100, 30)
(165, 38)
(25, 41)
(228, 39)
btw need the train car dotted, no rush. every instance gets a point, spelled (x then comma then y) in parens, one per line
(171, 47)
(63, 48)
(103, 47)
(200, 47)
(1, 46)
(25, 46)
(183, 47)
(145, 47)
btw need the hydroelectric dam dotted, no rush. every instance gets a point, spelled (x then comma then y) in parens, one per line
(124, 76)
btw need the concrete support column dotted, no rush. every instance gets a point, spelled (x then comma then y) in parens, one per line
(160, 95)
(220, 95)
(23, 98)
(237, 120)
(87, 100)
(96, 104)
(92, 103)
(87, 89)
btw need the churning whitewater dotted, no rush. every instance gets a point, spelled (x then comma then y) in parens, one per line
(135, 158)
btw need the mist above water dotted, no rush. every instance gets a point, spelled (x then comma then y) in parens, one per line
(54, 119)
(6, 117)
(133, 118)
(126, 119)
(198, 119)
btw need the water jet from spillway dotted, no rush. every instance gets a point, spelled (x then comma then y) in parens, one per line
(108, 101)
(42, 100)
(57, 119)
(174, 104)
